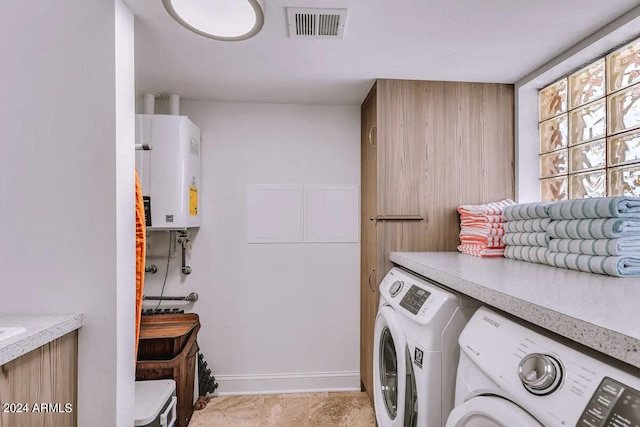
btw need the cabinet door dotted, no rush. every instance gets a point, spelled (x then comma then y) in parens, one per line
(443, 144)
(368, 241)
(369, 156)
(401, 161)
(46, 376)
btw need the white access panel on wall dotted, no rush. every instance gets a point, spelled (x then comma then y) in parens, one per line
(303, 214)
(274, 214)
(331, 214)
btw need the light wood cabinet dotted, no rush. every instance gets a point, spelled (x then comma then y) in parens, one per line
(42, 385)
(427, 147)
(368, 259)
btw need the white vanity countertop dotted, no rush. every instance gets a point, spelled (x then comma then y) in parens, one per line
(40, 330)
(598, 311)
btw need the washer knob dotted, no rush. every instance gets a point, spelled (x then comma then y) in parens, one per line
(540, 374)
(395, 288)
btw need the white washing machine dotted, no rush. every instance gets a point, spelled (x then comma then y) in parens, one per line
(511, 376)
(416, 350)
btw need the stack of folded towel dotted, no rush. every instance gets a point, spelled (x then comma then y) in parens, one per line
(599, 235)
(481, 228)
(525, 237)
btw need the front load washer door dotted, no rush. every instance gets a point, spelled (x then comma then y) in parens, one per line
(490, 411)
(389, 369)
(411, 395)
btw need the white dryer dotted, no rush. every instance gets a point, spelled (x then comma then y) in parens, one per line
(416, 350)
(512, 376)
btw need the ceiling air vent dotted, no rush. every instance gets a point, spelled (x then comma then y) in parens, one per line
(313, 23)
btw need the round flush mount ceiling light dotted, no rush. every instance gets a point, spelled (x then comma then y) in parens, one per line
(227, 20)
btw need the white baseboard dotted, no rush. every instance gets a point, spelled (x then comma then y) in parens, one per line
(311, 382)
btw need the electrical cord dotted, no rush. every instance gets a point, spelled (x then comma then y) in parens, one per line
(166, 273)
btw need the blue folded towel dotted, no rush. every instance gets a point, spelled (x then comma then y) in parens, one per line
(526, 239)
(602, 228)
(526, 211)
(618, 266)
(602, 247)
(536, 254)
(526, 225)
(597, 207)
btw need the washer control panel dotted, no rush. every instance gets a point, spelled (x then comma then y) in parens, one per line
(395, 288)
(613, 404)
(414, 299)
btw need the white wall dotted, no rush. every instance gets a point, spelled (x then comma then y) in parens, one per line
(62, 245)
(275, 317)
(125, 213)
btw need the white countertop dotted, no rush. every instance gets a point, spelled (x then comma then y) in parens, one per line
(598, 311)
(40, 330)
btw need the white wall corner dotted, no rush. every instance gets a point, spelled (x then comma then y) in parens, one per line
(125, 213)
(526, 145)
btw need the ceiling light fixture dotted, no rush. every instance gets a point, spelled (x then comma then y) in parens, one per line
(227, 20)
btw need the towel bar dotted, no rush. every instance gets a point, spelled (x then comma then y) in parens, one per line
(192, 297)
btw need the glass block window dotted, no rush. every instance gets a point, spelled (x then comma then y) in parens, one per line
(590, 129)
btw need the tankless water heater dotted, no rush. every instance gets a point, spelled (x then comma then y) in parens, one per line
(170, 171)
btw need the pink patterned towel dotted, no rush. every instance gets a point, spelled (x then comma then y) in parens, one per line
(481, 226)
(493, 208)
(480, 250)
(468, 231)
(480, 219)
(486, 241)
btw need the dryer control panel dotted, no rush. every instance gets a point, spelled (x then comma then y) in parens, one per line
(613, 404)
(507, 358)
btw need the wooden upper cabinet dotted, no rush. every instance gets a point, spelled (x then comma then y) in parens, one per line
(398, 182)
(448, 142)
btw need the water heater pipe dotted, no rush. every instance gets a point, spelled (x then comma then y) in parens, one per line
(183, 240)
(149, 103)
(174, 104)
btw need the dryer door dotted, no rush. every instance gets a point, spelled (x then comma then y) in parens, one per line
(490, 411)
(389, 369)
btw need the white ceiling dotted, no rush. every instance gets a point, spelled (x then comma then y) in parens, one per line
(456, 40)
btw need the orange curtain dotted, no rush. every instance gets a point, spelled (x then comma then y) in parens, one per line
(141, 247)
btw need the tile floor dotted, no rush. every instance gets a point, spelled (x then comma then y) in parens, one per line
(287, 410)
